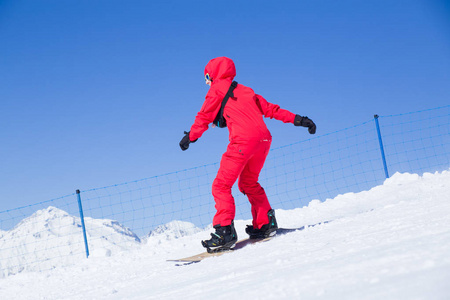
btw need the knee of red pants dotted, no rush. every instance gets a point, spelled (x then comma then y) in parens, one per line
(221, 190)
(250, 188)
(225, 206)
(259, 201)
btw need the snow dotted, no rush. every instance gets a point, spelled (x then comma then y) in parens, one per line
(391, 242)
(174, 230)
(51, 237)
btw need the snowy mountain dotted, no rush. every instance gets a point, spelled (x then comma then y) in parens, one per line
(391, 242)
(51, 237)
(174, 230)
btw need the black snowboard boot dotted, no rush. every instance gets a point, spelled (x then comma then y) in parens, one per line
(267, 230)
(223, 239)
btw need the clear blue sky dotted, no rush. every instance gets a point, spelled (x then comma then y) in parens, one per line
(94, 93)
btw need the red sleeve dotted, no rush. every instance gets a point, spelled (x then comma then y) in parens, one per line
(207, 113)
(270, 110)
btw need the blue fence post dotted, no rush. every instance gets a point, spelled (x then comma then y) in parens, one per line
(82, 223)
(380, 140)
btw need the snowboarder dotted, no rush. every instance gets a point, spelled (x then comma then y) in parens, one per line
(246, 153)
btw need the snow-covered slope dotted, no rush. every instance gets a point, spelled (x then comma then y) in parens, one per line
(392, 242)
(173, 230)
(51, 237)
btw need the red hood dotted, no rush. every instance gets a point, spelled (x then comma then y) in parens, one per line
(221, 68)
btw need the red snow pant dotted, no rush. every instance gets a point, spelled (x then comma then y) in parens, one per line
(243, 160)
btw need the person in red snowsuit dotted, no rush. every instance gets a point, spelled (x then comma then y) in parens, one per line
(246, 153)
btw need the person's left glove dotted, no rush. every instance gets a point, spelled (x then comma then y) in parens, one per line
(185, 141)
(305, 122)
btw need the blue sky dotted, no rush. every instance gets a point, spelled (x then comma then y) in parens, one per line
(95, 93)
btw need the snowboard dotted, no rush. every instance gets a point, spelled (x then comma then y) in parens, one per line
(239, 245)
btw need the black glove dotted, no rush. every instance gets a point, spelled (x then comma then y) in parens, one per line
(185, 141)
(305, 122)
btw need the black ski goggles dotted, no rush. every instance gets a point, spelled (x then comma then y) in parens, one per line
(207, 77)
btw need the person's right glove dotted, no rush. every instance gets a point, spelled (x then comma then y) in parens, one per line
(305, 122)
(185, 141)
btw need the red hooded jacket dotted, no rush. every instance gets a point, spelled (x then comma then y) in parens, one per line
(244, 113)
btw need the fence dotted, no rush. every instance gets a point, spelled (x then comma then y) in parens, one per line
(50, 233)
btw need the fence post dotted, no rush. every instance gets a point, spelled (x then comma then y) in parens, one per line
(381, 146)
(82, 223)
